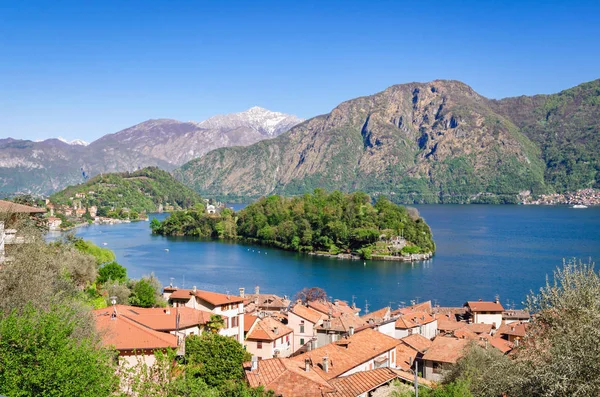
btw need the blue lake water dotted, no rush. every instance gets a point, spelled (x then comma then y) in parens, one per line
(482, 251)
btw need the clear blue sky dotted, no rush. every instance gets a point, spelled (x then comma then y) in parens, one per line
(82, 70)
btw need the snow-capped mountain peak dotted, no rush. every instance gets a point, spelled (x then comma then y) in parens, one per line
(79, 142)
(262, 120)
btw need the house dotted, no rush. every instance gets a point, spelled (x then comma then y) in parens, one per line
(381, 320)
(419, 322)
(405, 356)
(363, 351)
(80, 195)
(133, 341)
(289, 378)
(512, 316)
(417, 307)
(54, 223)
(417, 342)
(68, 212)
(512, 332)
(249, 321)
(333, 329)
(264, 303)
(230, 307)
(443, 351)
(303, 320)
(269, 338)
(79, 212)
(211, 209)
(485, 312)
(11, 212)
(93, 210)
(334, 309)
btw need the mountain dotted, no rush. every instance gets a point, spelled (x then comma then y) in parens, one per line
(47, 166)
(142, 190)
(80, 142)
(419, 142)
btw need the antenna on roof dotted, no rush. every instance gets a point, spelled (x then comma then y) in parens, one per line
(113, 301)
(171, 278)
(417, 297)
(366, 306)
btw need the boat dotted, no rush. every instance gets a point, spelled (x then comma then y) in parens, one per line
(166, 250)
(104, 243)
(579, 206)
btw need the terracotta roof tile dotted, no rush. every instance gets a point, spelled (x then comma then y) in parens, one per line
(480, 306)
(308, 314)
(465, 333)
(214, 298)
(513, 329)
(361, 382)
(501, 344)
(417, 342)
(348, 353)
(126, 334)
(265, 330)
(449, 325)
(419, 307)
(268, 301)
(249, 320)
(480, 328)
(335, 309)
(445, 350)
(404, 323)
(344, 322)
(404, 354)
(287, 378)
(378, 316)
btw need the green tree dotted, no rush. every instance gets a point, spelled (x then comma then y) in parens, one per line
(41, 354)
(216, 323)
(111, 271)
(142, 294)
(218, 358)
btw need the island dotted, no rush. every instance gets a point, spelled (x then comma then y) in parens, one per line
(119, 197)
(334, 224)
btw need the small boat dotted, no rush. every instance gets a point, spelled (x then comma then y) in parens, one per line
(579, 206)
(166, 250)
(104, 243)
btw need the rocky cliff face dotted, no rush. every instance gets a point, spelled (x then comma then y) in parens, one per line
(418, 142)
(47, 166)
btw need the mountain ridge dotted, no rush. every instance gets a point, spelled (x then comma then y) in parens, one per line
(417, 142)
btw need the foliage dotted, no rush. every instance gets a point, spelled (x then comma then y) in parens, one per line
(102, 255)
(218, 358)
(118, 290)
(560, 354)
(142, 294)
(41, 355)
(215, 323)
(453, 389)
(311, 294)
(140, 191)
(112, 271)
(332, 223)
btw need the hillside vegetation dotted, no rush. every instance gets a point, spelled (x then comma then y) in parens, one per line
(319, 222)
(142, 190)
(437, 142)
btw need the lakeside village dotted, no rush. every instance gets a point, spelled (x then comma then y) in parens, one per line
(316, 347)
(67, 216)
(581, 198)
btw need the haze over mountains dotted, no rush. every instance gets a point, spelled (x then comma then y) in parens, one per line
(47, 166)
(422, 142)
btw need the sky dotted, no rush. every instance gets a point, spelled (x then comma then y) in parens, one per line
(81, 69)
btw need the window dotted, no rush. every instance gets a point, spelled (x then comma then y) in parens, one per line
(410, 331)
(287, 339)
(234, 321)
(259, 345)
(437, 368)
(274, 343)
(301, 341)
(301, 328)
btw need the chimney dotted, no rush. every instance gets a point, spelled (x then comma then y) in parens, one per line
(256, 290)
(254, 363)
(276, 330)
(307, 364)
(242, 293)
(168, 310)
(194, 289)
(327, 324)
(351, 330)
(326, 364)
(497, 299)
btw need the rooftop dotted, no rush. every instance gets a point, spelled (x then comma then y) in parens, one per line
(343, 323)
(378, 316)
(417, 342)
(268, 329)
(445, 350)
(214, 298)
(348, 353)
(481, 306)
(10, 207)
(307, 313)
(360, 383)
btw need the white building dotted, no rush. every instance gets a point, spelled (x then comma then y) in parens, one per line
(485, 312)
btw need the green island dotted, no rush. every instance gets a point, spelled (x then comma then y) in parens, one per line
(122, 195)
(347, 225)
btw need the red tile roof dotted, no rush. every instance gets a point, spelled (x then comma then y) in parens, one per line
(126, 334)
(445, 350)
(378, 316)
(308, 314)
(287, 378)
(449, 325)
(10, 207)
(513, 329)
(404, 354)
(344, 322)
(361, 382)
(404, 323)
(214, 298)
(335, 309)
(265, 330)
(348, 353)
(249, 320)
(417, 342)
(501, 344)
(419, 307)
(480, 306)
(480, 328)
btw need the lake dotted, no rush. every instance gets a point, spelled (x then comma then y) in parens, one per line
(482, 251)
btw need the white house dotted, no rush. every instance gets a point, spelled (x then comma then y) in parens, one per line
(211, 209)
(485, 312)
(230, 307)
